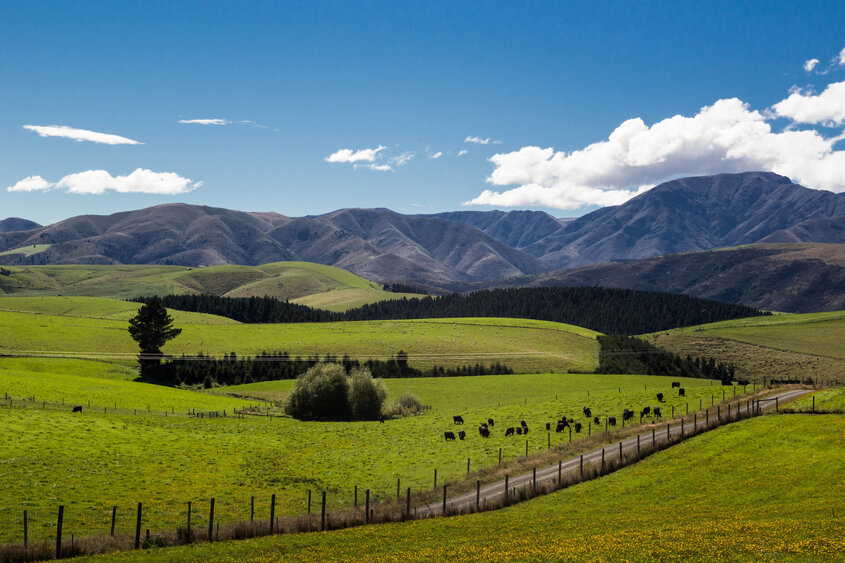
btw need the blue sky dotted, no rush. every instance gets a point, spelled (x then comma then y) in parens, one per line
(552, 86)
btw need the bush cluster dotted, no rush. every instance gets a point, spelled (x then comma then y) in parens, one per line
(326, 392)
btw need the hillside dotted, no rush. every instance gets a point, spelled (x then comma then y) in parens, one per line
(677, 504)
(779, 346)
(17, 224)
(793, 278)
(315, 285)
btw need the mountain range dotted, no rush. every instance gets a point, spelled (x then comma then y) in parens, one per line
(678, 221)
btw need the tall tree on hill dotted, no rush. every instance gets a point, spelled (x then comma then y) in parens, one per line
(151, 328)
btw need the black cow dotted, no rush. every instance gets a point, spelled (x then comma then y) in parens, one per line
(743, 382)
(381, 419)
(458, 419)
(484, 432)
(509, 431)
(676, 384)
(577, 427)
(548, 427)
(560, 426)
(77, 408)
(646, 411)
(627, 414)
(522, 423)
(490, 422)
(587, 412)
(525, 430)
(449, 435)
(681, 392)
(519, 430)
(611, 420)
(571, 420)
(462, 434)
(660, 397)
(596, 420)
(657, 412)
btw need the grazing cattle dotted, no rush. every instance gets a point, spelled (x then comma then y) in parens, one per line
(571, 420)
(548, 426)
(449, 435)
(660, 397)
(509, 431)
(462, 434)
(525, 430)
(490, 422)
(627, 414)
(458, 419)
(587, 412)
(577, 427)
(742, 382)
(596, 420)
(611, 420)
(522, 423)
(676, 384)
(657, 412)
(519, 430)
(560, 426)
(381, 419)
(682, 392)
(485, 433)
(77, 408)
(646, 411)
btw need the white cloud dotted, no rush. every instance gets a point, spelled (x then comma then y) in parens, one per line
(348, 155)
(375, 167)
(480, 141)
(842, 57)
(436, 155)
(827, 108)
(403, 158)
(210, 121)
(810, 64)
(100, 181)
(724, 137)
(462, 152)
(30, 184)
(79, 134)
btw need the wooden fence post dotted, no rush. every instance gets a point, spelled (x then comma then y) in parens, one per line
(638, 446)
(355, 500)
(534, 480)
(138, 528)
(398, 495)
(59, 532)
(444, 499)
(500, 456)
(367, 507)
(467, 466)
(408, 504)
(559, 471)
(506, 488)
(272, 511)
(113, 518)
(526, 448)
(25, 531)
(435, 477)
(653, 441)
(581, 466)
(323, 512)
(477, 495)
(620, 451)
(189, 519)
(251, 509)
(309, 505)
(602, 460)
(211, 521)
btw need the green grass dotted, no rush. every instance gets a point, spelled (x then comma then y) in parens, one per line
(526, 346)
(780, 346)
(107, 459)
(758, 490)
(285, 280)
(27, 250)
(830, 400)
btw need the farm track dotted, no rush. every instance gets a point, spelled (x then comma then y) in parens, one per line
(495, 492)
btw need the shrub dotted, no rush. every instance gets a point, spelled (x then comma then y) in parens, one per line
(321, 393)
(406, 405)
(366, 395)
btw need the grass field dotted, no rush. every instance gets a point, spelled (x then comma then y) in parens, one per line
(109, 459)
(780, 346)
(90, 326)
(829, 400)
(311, 284)
(710, 498)
(27, 250)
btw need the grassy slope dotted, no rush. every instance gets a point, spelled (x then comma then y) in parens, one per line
(314, 284)
(27, 250)
(524, 345)
(712, 497)
(829, 400)
(792, 346)
(110, 459)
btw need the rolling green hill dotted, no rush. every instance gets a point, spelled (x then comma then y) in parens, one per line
(315, 285)
(678, 505)
(779, 346)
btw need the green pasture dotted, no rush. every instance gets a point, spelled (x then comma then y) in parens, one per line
(300, 281)
(525, 346)
(829, 400)
(713, 497)
(27, 251)
(110, 459)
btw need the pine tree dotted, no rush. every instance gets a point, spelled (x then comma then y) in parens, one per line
(151, 328)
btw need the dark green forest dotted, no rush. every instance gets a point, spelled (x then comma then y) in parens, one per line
(606, 310)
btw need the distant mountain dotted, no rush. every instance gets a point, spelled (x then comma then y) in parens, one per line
(17, 224)
(830, 230)
(376, 243)
(793, 278)
(687, 215)
(516, 229)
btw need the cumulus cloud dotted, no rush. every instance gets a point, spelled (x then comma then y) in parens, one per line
(810, 64)
(30, 184)
(480, 141)
(827, 108)
(79, 135)
(727, 136)
(209, 121)
(350, 156)
(462, 152)
(99, 181)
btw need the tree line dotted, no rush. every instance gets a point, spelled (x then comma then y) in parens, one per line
(607, 310)
(627, 354)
